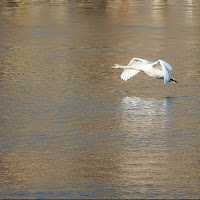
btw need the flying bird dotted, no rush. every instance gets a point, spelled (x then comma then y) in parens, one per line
(159, 69)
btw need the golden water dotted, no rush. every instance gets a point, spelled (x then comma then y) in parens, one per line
(70, 127)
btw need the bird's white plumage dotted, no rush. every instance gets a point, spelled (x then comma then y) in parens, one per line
(165, 67)
(128, 73)
(136, 61)
(159, 69)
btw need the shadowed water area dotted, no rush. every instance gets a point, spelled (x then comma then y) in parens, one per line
(70, 127)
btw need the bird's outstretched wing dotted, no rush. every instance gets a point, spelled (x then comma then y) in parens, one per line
(165, 67)
(128, 73)
(138, 61)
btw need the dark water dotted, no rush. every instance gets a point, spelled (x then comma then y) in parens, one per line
(70, 127)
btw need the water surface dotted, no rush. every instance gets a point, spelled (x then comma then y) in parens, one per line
(70, 127)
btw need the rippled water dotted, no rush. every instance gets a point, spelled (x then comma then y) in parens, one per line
(70, 127)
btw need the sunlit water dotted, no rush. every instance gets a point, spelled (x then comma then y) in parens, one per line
(70, 127)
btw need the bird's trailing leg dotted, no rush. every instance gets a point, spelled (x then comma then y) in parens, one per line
(173, 80)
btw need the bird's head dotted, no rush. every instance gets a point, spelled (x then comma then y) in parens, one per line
(115, 66)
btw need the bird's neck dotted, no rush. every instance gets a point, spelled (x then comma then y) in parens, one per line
(122, 67)
(130, 67)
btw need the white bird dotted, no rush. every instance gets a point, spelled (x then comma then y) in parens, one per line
(159, 69)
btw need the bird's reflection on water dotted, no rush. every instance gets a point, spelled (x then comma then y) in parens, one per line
(145, 110)
(145, 124)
